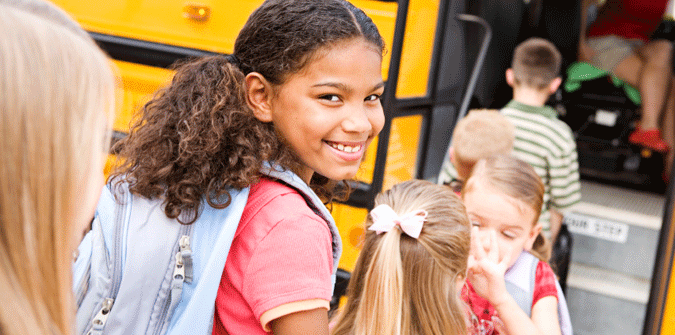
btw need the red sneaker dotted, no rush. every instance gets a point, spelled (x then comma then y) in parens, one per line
(650, 138)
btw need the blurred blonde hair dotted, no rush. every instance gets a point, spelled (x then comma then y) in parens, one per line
(482, 133)
(406, 286)
(57, 100)
(517, 180)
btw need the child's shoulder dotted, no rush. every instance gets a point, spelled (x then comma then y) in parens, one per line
(547, 124)
(544, 269)
(272, 202)
(545, 282)
(268, 189)
(563, 127)
(270, 193)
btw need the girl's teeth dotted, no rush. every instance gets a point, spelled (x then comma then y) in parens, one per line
(346, 148)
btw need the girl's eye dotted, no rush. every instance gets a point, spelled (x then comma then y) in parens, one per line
(373, 97)
(509, 235)
(330, 97)
(475, 223)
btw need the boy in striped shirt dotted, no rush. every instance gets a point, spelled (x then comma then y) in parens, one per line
(542, 140)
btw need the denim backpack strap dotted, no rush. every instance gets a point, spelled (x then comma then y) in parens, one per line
(563, 312)
(211, 240)
(520, 280)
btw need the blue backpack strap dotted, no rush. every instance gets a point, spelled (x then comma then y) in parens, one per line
(563, 312)
(211, 239)
(98, 269)
(520, 280)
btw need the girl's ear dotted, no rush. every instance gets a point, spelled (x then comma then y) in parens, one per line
(532, 236)
(259, 96)
(459, 283)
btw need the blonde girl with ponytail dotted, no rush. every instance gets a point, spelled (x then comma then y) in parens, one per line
(412, 267)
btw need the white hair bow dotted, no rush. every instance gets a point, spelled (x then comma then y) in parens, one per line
(384, 219)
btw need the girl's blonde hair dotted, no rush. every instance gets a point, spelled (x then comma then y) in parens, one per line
(57, 99)
(517, 180)
(403, 285)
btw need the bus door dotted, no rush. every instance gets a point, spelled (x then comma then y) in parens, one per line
(660, 316)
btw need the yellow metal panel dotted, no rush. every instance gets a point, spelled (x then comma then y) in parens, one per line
(402, 153)
(139, 82)
(350, 222)
(417, 48)
(405, 131)
(668, 321)
(165, 21)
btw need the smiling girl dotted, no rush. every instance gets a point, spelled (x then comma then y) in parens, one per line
(300, 93)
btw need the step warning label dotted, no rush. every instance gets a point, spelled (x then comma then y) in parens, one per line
(598, 228)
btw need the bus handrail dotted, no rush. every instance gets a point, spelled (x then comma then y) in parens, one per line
(487, 37)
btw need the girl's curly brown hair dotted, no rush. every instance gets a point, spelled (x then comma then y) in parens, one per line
(197, 137)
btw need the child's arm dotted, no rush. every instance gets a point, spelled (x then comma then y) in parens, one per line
(544, 317)
(556, 223)
(585, 52)
(486, 273)
(314, 321)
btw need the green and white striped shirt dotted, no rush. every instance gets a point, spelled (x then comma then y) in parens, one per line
(548, 145)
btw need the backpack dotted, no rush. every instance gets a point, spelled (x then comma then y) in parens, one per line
(520, 280)
(139, 272)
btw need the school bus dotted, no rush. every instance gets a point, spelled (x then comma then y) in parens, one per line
(443, 58)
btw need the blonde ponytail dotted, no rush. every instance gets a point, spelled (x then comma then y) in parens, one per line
(407, 286)
(381, 313)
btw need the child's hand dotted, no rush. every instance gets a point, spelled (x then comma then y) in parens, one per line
(486, 270)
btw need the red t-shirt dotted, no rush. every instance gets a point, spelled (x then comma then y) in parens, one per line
(630, 19)
(544, 286)
(281, 254)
